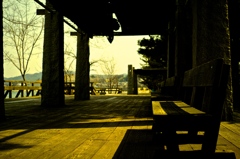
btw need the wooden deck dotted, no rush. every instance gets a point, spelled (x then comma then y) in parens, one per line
(108, 127)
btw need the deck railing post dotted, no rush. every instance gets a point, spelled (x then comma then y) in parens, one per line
(22, 84)
(10, 91)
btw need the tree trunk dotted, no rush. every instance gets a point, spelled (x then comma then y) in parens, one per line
(2, 107)
(82, 68)
(23, 77)
(211, 39)
(53, 61)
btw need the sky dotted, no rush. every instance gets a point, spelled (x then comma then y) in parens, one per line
(123, 50)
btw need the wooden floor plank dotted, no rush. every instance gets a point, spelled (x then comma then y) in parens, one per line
(87, 149)
(230, 135)
(51, 146)
(232, 126)
(103, 127)
(225, 143)
(118, 134)
(107, 150)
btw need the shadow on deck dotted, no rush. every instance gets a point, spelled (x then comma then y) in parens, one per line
(103, 127)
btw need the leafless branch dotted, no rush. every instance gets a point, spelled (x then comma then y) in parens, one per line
(109, 69)
(22, 30)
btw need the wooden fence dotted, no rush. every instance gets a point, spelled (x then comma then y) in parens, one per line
(33, 88)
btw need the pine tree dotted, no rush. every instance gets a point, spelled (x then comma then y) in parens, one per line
(154, 55)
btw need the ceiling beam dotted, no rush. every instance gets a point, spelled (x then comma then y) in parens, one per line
(120, 34)
(44, 6)
(43, 12)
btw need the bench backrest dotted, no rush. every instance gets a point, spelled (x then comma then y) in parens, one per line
(171, 86)
(205, 88)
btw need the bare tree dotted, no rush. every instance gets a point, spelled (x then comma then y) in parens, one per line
(109, 69)
(22, 32)
(69, 59)
(68, 73)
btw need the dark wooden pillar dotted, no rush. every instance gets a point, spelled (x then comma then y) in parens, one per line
(211, 38)
(234, 16)
(171, 50)
(2, 107)
(183, 47)
(82, 68)
(53, 61)
(135, 83)
(130, 80)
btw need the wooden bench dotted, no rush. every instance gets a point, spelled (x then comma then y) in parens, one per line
(168, 89)
(196, 118)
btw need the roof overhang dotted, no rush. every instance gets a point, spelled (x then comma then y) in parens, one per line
(134, 17)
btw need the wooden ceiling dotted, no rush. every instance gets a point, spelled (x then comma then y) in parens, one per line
(134, 17)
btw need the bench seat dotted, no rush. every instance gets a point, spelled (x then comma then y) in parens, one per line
(179, 116)
(196, 117)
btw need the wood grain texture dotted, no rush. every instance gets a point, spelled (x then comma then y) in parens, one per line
(208, 84)
(103, 127)
(207, 74)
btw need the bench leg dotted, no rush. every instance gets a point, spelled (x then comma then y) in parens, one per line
(171, 140)
(157, 137)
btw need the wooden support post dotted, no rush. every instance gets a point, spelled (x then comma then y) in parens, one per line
(130, 79)
(135, 84)
(2, 107)
(234, 16)
(183, 41)
(22, 92)
(171, 50)
(53, 61)
(214, 28)
(32, 90)
(211, 39)
(92, 88)
(82, 68)
(10, 91)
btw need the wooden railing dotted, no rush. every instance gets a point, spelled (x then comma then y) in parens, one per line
(104, 91)
(33, 88)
